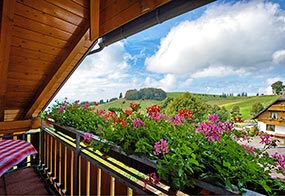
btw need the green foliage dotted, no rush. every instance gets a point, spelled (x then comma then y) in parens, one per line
(191, 152)
(221, 111)
(256, 108)
(188, 101)
(165, 103)
(78, 116)
(277, 87)
(146, 93)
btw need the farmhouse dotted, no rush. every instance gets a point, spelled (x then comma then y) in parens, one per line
(272, 119)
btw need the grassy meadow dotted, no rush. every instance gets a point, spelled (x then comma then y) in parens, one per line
(244, 102)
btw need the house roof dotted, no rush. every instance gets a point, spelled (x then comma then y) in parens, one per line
(280, 99)
(43, 41)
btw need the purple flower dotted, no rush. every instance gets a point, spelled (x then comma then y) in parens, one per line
(212, 131)
(138, 123)
(86, 105)
(249, 149)
(151, 179)
(177, 119)
(87, 136)
(61, 109)
(76, 102)
(213, 118)
(280, 161)
(265, 139)
(161, 147)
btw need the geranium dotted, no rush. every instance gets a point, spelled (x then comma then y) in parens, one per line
(88, 136)
(151, 178)
(161, 147)
(138, 123)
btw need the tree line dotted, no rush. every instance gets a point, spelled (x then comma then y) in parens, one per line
(146, 93)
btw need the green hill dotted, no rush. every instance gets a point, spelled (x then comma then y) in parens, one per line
(244, 102)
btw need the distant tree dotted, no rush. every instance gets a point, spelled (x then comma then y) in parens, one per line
(188, 101)
(223, 113)
(121, 95)
(277, 87)
(257, 94)
(165, 103)
(113, 99)
(256, 108)
(101, 101)
(132, 95)
(235, 114)
(146, 93)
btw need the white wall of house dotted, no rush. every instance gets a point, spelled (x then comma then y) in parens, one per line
(261, 126)
(278, 129)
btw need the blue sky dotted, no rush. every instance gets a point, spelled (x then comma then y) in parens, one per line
(224, 47)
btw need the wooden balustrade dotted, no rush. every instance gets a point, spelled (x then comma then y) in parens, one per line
(74, 169)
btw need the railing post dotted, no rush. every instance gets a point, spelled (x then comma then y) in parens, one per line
(41, 145)
(76, 172)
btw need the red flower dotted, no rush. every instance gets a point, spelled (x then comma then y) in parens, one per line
(134, 106)
(185, 113)
(120, 121)
(128, 112)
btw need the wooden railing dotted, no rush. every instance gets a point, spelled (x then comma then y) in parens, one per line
(75, 169)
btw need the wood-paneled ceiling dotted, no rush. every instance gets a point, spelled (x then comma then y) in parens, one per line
(43, 41)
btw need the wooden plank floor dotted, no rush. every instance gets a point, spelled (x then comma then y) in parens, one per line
(22, 182)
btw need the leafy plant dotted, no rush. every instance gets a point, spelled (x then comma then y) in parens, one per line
(183, 149)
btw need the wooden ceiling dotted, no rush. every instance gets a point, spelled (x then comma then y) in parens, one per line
(43, 41)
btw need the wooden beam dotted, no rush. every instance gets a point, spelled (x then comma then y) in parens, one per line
(8, 127)
(2, 106)
(60, 76)
(5, 41)
(94, 19)
(5, 47)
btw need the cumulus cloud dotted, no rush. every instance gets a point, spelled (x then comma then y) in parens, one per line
(100, 76)
(279, 57)
(233, 36)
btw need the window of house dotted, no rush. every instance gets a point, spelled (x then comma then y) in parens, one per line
(270, 127)
(274, 115)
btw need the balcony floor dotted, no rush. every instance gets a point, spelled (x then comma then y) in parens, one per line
(22, 182)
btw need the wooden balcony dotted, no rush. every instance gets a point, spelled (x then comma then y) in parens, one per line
(68, 167)
(273, 121)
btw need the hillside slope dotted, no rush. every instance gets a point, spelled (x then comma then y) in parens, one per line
(245, 103)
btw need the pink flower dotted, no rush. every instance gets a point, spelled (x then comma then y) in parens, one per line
(61, 109)
(86, 105)
(161, 147)
(177, 119)
(249, 149)
(265, 139)
(87, 136)
(213, 118)
(212, 131)
(151, 179)
(138, 123)
(280, 161)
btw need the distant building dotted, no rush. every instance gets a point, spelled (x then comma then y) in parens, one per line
(272, 118)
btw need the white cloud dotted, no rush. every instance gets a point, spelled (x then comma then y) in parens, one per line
(279, 57)
(237, 36)
(101, 76)
(218, 71)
